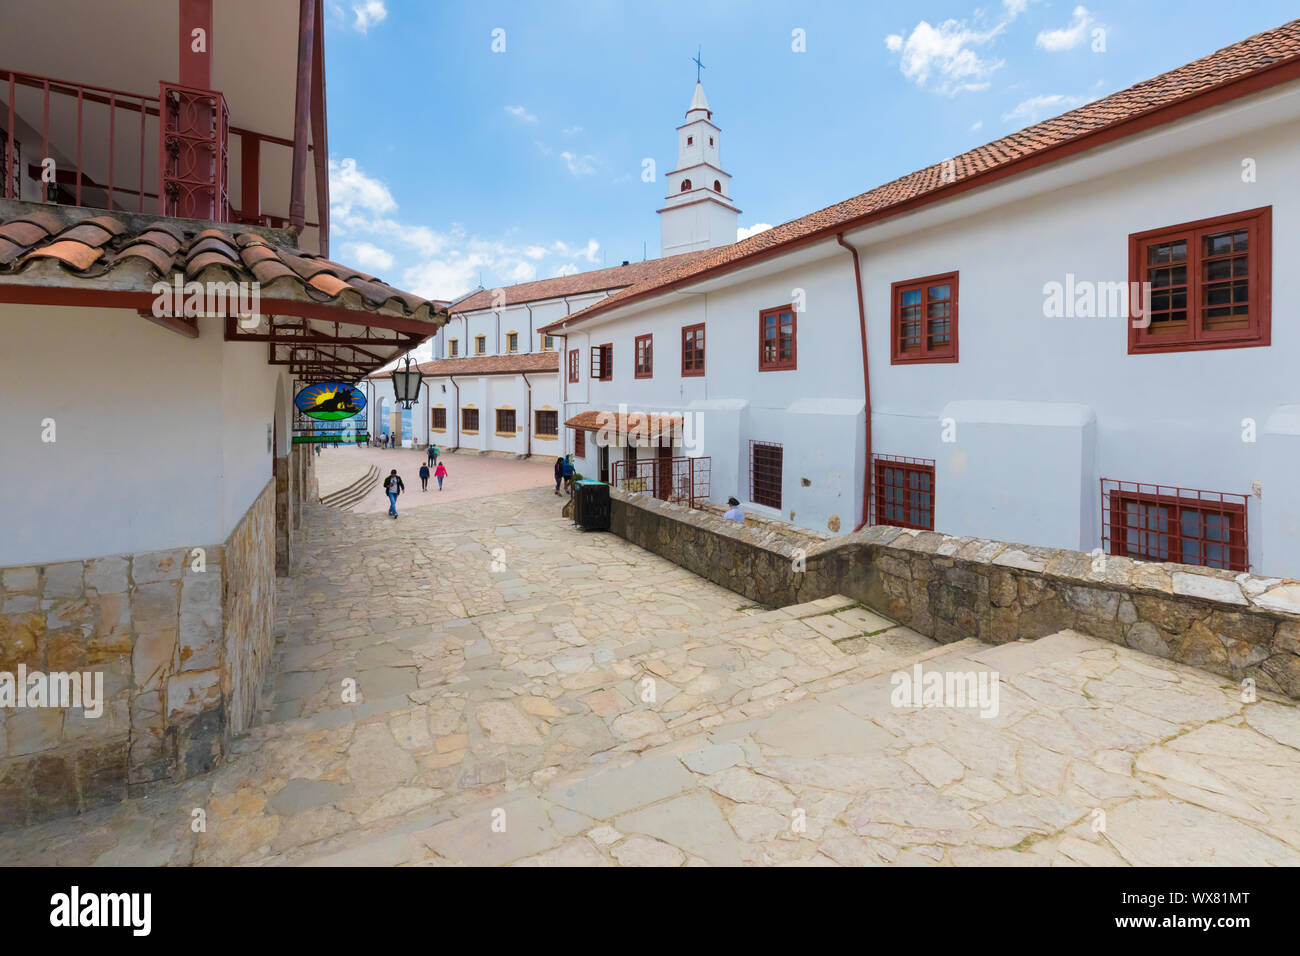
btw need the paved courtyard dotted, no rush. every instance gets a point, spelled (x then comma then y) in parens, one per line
(529, 694)
(469, 475)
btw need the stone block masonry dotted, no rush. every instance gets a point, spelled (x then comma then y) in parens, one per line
(1238, 625)
(183, 652)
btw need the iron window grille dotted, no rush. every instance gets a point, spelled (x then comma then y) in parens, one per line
(765, 465)
(469, 420)
(579, 443)
(1167, 523)
(439, 419)
(902, 492)
(546, 423)
(506, 421)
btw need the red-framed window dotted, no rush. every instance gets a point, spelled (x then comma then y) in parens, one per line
(902, 492)
(602, 362)
(1209, 283)
(693, 350)
(765, 466)
(573, 364)
(777, 346)
(645, 356)
(579, 443)
(923, 323)
(1166, 523)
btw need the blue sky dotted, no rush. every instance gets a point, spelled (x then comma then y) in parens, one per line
(450, 161)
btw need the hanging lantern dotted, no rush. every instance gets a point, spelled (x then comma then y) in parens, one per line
(406, 384)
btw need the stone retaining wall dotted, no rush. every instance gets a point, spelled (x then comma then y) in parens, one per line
(183, 638)
(1235, 624)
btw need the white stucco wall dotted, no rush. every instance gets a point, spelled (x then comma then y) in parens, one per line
(1174, 418)
(160, 439)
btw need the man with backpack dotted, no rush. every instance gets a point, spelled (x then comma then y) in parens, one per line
(393, 487)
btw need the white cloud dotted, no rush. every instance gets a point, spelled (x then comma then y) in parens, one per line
(369, 12)
(433, 263)
(573, 130)
(522, 114)
(1014, 7)
(579, 165)
(589, 252)
(568, 269)
(350, 187)
(370, 256)
(948, 54)
(976, 125)
(1037, 107)
(1067, 38)
(744, 232)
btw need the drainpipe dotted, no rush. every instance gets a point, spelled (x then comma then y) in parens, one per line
(452, 379)
(866, 379)
(564, 391)
(528, 422)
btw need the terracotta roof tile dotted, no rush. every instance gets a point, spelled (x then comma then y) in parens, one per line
(71, 253)
(90, 247)
(598, 280)
(644, 424)
(489, 365)
(1234, 63)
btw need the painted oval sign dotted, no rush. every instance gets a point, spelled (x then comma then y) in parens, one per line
(330, 401)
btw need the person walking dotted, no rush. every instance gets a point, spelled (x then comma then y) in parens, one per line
(559, 474)
(440, 474)
(393, 487)
(424, 477)
(433, 455)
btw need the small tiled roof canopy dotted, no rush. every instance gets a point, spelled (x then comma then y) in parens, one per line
(647, 425)
(1253, 64)
(487, 365)
(321, 316)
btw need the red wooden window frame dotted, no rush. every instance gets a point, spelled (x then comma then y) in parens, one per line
(469, 419)
(579, 443)
(693, 350)
(778, 362)
(1247, 287)
(573, 365)
(439, 418)
(602, 362)
(925, 349)
(544, 417)
(1183, 525)
(644, 356)
(765, 476)
(902, 492)
(506, 417)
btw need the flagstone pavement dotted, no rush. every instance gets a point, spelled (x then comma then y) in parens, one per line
(530, 694)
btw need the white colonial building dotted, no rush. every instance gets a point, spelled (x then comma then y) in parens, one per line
(958, 350)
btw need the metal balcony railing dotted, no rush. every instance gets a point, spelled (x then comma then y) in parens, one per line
(680, 480)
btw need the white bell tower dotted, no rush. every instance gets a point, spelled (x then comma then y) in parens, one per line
(698, 212)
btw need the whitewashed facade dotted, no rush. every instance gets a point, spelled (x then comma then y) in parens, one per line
(1036, 411)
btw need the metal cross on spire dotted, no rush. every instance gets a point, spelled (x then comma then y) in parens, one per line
(698, 65)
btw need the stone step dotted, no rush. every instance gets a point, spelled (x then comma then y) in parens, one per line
(345, 498)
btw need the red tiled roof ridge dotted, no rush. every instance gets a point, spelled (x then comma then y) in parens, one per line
(578, 283)
(1265, 51)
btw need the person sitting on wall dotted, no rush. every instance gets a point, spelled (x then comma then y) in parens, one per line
(734, 513)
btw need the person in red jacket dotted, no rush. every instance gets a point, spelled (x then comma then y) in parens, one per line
(440, 474)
